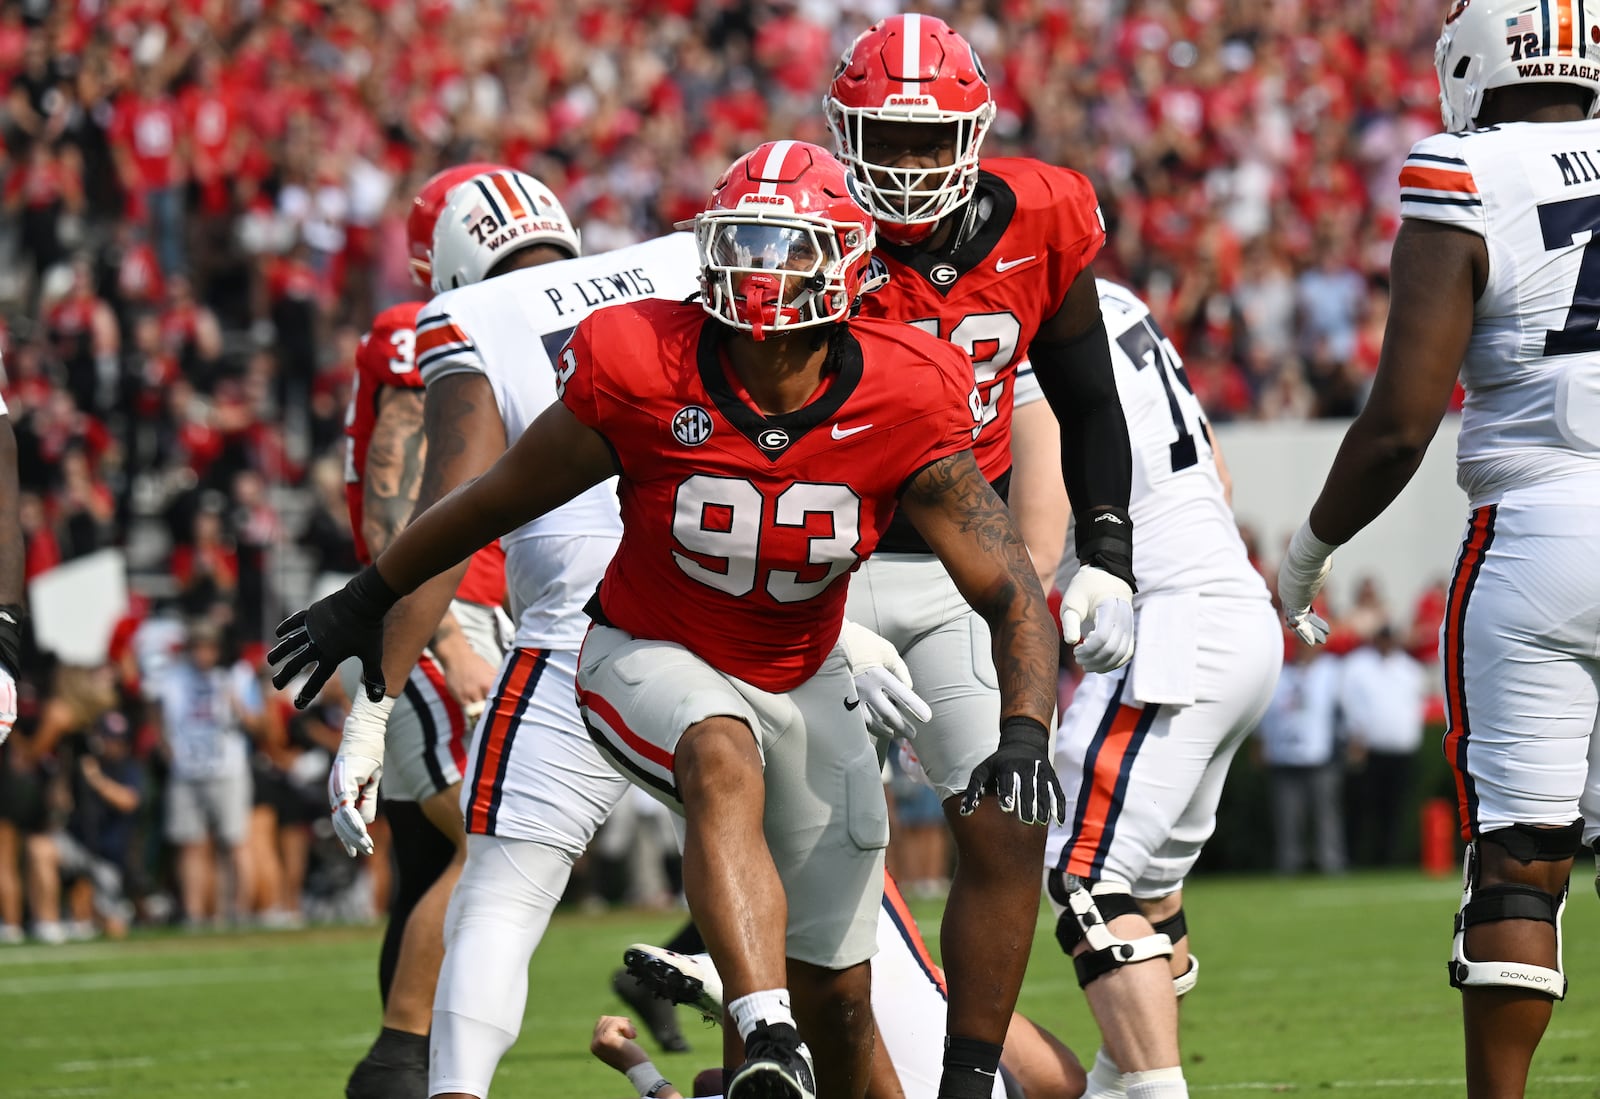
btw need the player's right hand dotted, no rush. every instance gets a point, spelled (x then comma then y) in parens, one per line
(353, 781)
(1300, 578)
(1104, 603)
(330, 631)
(8, 702)
(883, 683)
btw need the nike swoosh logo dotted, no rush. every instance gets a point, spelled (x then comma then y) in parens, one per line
(845, 433)
(851, 703)
(1004, 265)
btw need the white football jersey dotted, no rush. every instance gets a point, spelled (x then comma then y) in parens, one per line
(1184, 534)
(510, 329)
(1532, 368)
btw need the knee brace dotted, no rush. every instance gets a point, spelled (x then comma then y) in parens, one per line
(1175, 928)
(1510, 901)
(1089, 909)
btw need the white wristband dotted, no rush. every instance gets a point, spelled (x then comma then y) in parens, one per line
(646, 1079)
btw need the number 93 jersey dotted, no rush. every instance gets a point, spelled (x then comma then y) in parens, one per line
(739, 530)
(1532, 368)
(1039, 227)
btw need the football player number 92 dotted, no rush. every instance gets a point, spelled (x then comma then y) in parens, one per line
(721, 521)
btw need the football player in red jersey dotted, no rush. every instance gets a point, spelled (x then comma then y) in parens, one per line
(993, 256)
(383, 466)
(761, 454)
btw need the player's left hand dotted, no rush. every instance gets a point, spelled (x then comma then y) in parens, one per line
(883, 683)
(1020, 775)
(357, 769)
(1300, 577)
(1105, 603)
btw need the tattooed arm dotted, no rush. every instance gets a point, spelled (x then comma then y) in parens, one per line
(394, 467)
(965, 523)
(463, 435)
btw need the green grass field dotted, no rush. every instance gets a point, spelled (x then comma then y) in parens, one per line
(1309, 986)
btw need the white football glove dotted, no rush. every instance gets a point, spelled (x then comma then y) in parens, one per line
(883, 683)
(8, 703)
(353, 781)
(1105, 603)
(1300, 577)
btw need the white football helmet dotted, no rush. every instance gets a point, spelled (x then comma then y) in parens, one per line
(1490, 44)
(490, 216)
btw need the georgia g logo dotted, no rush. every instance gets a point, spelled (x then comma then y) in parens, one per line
(691, 425)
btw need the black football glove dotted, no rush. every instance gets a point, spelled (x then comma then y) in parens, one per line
(330, 631)
(1020, 774)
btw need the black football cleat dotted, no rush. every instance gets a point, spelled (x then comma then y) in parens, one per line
(659, 1017)
(777, 1065)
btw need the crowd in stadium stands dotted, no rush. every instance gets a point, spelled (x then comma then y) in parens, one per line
(204, 204)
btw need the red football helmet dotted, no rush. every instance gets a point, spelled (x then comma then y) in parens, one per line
(911, 69)
(784, 242)
(425, 210)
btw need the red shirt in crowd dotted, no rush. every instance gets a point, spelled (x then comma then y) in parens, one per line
(147, 129)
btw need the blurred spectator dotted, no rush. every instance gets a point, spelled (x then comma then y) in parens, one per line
(327, 533)
(86, 512)
(206, 712)
(289, 773)
(1427, 618)
(920, 845)
(80, 699)
(1368, 614)
(1381, 697)
(83, 330)
(145, 141)
(40, 193)
(206, 567)
(1297, 744)
(94, 848)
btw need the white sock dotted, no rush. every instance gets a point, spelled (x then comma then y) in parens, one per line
(1105, 1078)
(1157, 1083)
(762, 1008)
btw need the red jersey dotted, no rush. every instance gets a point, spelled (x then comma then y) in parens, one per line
(739, 530)
(989, 293)
(386, 358)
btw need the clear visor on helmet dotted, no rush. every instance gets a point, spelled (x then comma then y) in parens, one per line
(758, 246)
(767, 274)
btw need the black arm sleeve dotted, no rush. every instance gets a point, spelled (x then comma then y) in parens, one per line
(1077, 379)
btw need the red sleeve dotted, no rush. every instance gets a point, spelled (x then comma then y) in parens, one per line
(387, 355)
(576, 384)
(1077, 232)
